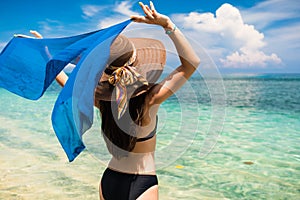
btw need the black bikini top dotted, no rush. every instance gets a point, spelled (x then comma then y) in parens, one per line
(151, 135)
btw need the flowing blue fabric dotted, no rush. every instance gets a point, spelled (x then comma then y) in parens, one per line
(28, 66)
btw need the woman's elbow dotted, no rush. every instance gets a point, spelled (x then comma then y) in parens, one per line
(196, 62)
(61, 78)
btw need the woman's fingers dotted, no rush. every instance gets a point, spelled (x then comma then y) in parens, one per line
(154, 13)
(151, 15)
(136, 18)
(146, 10)
(36, 34)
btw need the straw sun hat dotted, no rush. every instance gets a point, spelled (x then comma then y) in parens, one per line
(146, 57)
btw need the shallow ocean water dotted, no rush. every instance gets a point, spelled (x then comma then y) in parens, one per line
(247, 148)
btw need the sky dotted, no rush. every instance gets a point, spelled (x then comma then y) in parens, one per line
(253, 36)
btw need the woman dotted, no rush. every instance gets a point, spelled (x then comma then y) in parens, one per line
(129, 99)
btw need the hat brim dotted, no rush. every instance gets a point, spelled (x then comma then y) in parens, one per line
(150, 62)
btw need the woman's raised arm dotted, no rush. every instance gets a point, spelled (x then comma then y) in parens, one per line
(189, 60)
(62, 77)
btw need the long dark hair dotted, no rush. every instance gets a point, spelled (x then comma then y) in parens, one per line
(119, 134)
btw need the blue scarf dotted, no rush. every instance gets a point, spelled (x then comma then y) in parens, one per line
(28, 66)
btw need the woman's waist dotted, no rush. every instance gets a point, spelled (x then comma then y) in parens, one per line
(134, 163)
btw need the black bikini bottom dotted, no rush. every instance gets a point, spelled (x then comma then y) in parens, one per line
(118, 186)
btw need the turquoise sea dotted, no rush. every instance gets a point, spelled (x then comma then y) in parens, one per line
(237, 140)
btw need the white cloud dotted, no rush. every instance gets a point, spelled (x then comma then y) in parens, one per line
(122, 11)
(286, 41)
(270, 11)
(116, 10)
(91, 10)
(247, 57)
(106, 22)
(287, 36)
(2, 45)
(51, 27)
(240, 43)
(280, 21)
(124, 8)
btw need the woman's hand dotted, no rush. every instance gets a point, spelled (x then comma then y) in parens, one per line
(61, 78)
(36, 34)
(153, 17)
